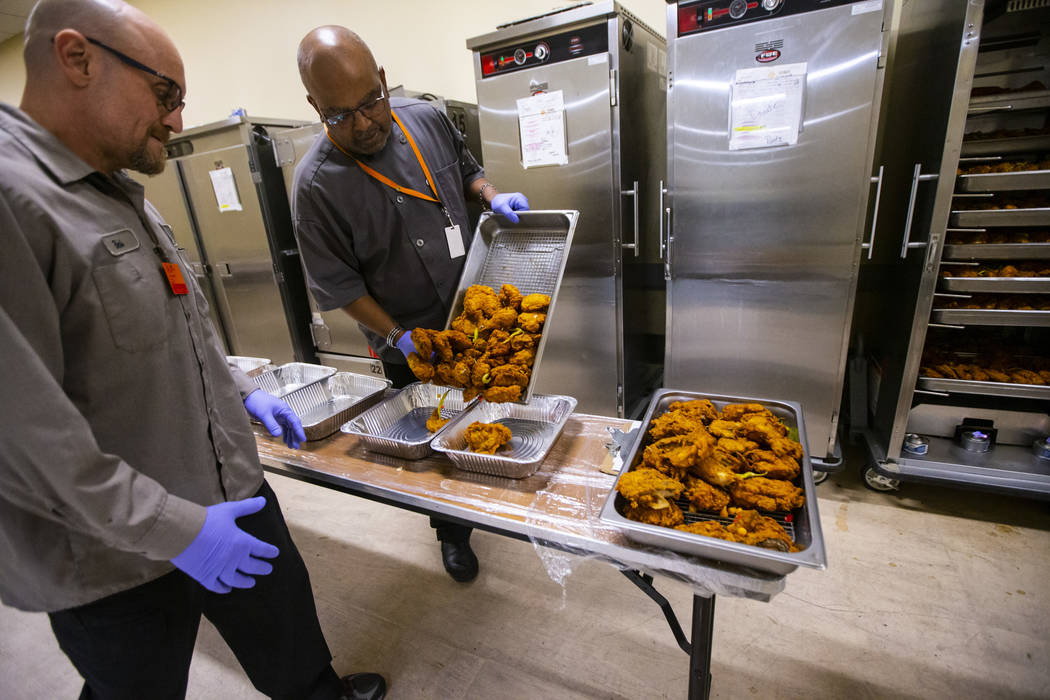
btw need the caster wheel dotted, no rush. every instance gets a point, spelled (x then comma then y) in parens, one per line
(877, 482)
(820, 477)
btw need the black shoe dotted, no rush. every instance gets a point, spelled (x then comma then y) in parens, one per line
(460, 562)
(363, 686)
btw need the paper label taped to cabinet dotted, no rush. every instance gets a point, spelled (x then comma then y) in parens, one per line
(225, 189)
(541, 123)
(765, 106)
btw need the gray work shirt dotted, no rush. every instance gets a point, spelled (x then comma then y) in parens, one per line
(360, 237)
(121, 419)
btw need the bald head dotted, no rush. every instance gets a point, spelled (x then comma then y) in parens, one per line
(341, 77)
(85, 81)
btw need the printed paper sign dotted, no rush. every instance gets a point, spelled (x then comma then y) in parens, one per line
(225, 189)
(765, 107)
(541, 123)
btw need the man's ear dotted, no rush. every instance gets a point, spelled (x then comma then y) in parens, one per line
(76, 58)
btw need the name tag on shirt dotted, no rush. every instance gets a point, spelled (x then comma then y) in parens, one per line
(455, 241)
(120, 242)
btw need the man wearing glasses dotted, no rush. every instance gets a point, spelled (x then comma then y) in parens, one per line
(125, 447)
(380, 214)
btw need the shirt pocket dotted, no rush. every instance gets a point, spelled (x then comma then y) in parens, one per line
(133, 298)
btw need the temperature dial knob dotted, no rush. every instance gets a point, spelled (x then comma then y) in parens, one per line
(737, 8)
(519, 56)
(541, 52)
(770, 5)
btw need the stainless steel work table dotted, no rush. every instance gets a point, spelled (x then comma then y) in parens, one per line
(557, 507)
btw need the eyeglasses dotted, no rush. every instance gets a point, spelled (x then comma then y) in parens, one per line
(172, 97)
(370, 110)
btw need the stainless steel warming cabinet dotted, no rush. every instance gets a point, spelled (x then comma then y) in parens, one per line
(571, 113)
(772, 109)
(224, 198)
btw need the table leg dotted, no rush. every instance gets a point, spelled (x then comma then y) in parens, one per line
(700, 655)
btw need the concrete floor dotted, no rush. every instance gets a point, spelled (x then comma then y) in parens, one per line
(929, 593)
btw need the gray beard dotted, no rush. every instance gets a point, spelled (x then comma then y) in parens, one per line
(142, 161)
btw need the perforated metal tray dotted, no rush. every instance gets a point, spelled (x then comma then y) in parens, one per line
(533, 426)
(398, 425)
(530, 254)
(804, 521)
(325, 405)
(283, 380)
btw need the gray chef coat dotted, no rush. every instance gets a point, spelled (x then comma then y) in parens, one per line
(121, 420)
(358, 236)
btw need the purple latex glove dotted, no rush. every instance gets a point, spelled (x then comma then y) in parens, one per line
(507, 204)
(405, 344)
(274, 413)
(223, 556)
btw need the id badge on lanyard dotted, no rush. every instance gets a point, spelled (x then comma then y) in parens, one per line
(454, 239)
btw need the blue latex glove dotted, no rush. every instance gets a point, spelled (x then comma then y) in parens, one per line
(223, 556)
(405, 344)
(274, 413)
(507, 204)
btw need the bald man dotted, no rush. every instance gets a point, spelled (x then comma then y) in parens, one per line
(133, 500)
(380, 214)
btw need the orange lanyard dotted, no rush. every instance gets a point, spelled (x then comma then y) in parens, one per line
(387, 181)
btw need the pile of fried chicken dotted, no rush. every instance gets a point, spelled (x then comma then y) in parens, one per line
(486, 437)
(731, 463)
(939, 364)
(490, 347)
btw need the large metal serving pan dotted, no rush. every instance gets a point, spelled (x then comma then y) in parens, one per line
(998, 182)
(251, 366)
(996, 284)
(805, 521)
(1006, 146)
(965, 386)
(530, 254)
(325, 405)
(398, 425)
(283, 380)
(997, 251)
(534, 428)
(991, 317)
(977, 218)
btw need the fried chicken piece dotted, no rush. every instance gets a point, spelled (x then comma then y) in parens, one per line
(765, 462)
(479, 373)
(721, 468)
(510, 375)
(741, 445)
(486, 437)
(666, 517)
(700, 408)
(531, 322)
(461, 372)
(766, 494)
(736, 411)
(786, 447)
(673, 423)
(498, 343)
(502, 394)
(442, 347)
(708, 528)
(445, 373)
(470, 393)
(766, 423)
(1024, 376)
(480, 301)
(421, 339)
(751, 527)
(535, 303)
(459, 340)
(435, 422)
(997, 376)
(423, 370)
(703, 496)
(510, 297)
(649, 488)
(676, 454)
(503, 318)
(723, 428)
(526, 358)
(464, 325)
(523, 341)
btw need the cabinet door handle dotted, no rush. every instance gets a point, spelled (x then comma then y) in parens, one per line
(633, 194)
(916, 178)
(870, 245)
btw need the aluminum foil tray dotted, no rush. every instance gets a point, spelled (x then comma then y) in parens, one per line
(978, 218)
(398, 425)
(534, 428)
(804, 521)
(251, 366)
(530, 254)
(286, 378)
(325, 405)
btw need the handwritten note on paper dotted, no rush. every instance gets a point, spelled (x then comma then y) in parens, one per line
(765, 108)
(225, 189)
(541, 123)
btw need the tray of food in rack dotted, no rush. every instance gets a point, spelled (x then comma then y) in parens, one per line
(725, 478)
(991, 98)
(992, 317)
(988, 373)
(1002, 142)
(1001, 176)
(1021, 277)
(495, 337)
(1031, 211)
(404, 425)
(323, 406)
(998, 244)
(284, 379)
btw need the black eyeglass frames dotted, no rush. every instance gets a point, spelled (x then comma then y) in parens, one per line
(370, 110)
(171, 99)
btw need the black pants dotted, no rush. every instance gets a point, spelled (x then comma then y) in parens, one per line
(447, 531)
(138, 643)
